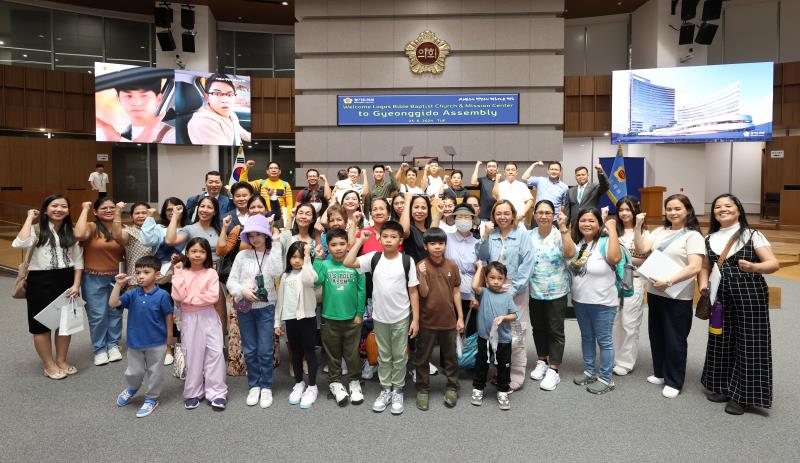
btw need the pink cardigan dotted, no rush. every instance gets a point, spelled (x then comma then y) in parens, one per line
(195, 290)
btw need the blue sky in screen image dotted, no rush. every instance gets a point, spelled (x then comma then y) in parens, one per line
(695, 83)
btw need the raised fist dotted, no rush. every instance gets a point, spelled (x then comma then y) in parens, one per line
(227, 221)
(177, 211)
(251, 164)
(87, 205)
(33, 214)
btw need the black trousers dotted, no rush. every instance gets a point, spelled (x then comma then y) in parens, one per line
(302, 337)
(669, 323)
(503, 355)
(471, 325)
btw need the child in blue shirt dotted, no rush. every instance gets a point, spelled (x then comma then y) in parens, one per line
(497, 308)
(149, 314)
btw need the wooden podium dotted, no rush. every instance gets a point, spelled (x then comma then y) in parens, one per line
(652, 199)
(790, 205)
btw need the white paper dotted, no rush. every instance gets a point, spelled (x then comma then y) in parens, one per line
(713, 282)
(660, 267)
(165, 267)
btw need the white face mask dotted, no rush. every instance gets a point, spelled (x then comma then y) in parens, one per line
(317, 207)
(463, 225)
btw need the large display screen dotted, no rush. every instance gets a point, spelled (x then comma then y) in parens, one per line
(431, 109)
(152, 105)
(730, 102)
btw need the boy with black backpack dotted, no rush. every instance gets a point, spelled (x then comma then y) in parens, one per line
(395, 297)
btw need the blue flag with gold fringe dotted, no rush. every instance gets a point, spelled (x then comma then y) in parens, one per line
(617, 187)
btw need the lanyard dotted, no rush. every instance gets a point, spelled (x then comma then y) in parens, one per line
(260, 263)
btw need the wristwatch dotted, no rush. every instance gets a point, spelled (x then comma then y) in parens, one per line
(669, 283)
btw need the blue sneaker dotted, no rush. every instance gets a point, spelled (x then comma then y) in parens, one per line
(191, 403)
(125, 396)
(219, 404)
(147, 408)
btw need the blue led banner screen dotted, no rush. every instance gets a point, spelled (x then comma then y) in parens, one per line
(696, 104)
(432, 109)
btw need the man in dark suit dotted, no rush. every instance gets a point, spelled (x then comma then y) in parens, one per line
(585, 194)
(213, 189)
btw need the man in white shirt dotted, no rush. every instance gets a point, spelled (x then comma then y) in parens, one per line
(514, 191)
(98, 180)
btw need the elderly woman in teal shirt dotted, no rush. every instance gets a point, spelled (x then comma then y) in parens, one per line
(505, 242)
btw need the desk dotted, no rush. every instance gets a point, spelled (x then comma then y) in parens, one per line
(790, 205)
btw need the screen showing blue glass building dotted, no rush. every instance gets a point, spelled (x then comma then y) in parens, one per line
(652, 106)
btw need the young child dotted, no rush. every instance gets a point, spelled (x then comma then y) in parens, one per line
(496, 308)
(393, 294)
(196, 289)
(149, 315)
(440, 301)
(297, 307)
(343, 185)
(343, 299)
(253, 289)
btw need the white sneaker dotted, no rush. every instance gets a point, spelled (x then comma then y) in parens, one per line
(356, 396)
(620, 371)
(114, 355)
(309, 397)
(433, 370)
(653, 379)
(297, 393)
(537, 374)
(670, 392)
(368, 371)
(253, 396)
(339, 393)
(168, 359)
(266, 398)
(397, 402)
(100, 358)
(550, 381)
(382, 401)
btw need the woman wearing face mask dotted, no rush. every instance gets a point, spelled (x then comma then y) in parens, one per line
(549, 286)
(101, 257)
(228, 247)
(317, 200)
(510, 245)
(462, 246)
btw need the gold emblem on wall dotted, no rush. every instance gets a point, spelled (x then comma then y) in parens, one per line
(426, 53)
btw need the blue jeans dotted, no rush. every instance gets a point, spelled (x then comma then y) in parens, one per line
(105, 322)
(257, 330)
(596, 323)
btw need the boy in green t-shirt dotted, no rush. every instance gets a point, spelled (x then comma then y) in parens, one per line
(343, 299)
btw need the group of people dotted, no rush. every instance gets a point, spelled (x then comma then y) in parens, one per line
(380, 273)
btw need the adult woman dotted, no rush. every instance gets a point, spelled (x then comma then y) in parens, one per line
(305, 217)
(670, 318)
(738, 366)
(153, 234)
(56, 264)
(549, 285)
(456, 188)
(594, 294)
(380, 214)
(101, 258)
(130, 237)
(505, 242)
(448, 205)
(398, 204)
(415, 220)
(206, 225)
(317, 200)
(629, 318)
(461, 248)
(228, 246)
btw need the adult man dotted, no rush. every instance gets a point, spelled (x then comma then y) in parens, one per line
(384, 186)
(551, 187)
(98, 180)
(213, 189)
(141, 101)
(486, 185)
(585, 194)
(272, 186)
(312, 179)
(514, 191)
(216, 122)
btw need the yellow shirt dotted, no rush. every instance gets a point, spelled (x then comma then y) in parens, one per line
(279, 187)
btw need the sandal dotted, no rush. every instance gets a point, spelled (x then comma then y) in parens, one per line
(59, 375)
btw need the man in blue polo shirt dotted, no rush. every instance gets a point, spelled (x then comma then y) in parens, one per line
(551, 187)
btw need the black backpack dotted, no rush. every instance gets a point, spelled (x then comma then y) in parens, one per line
(374, 262)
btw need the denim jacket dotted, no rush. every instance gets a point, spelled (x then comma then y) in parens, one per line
(514, 251)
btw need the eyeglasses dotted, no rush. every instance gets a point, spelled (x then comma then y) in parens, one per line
(544, 214)
(220, 94)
